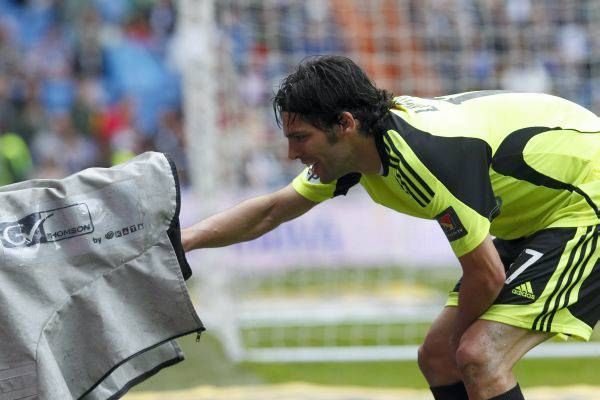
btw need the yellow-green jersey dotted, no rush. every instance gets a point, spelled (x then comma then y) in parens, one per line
(509, 164)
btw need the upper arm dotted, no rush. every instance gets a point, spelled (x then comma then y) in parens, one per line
(287, 204)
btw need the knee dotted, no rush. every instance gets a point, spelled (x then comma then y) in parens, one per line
(435, 360)
(469, 358)
(476, 364)
(425, 357)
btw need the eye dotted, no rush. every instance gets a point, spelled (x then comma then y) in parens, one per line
(299, 138)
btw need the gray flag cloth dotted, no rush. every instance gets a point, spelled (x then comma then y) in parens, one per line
(92, 289)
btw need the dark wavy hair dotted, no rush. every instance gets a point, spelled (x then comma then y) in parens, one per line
(322, 87)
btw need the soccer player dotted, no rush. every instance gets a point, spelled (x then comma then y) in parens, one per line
(522, 167)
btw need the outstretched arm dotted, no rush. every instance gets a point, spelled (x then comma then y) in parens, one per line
(246, 221)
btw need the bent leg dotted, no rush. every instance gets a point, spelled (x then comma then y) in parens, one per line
(436, 358)
(487, 354)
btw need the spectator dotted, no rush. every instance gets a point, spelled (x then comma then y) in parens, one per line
(170, 139)
(64, 147)
(15, 159)
(106, 70)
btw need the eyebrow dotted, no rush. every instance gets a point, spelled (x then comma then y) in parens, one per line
(294, 133)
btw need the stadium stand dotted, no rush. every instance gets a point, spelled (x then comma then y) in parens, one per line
(95, 79)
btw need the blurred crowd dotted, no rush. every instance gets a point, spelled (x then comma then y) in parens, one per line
(523, 45)
(415, 47)
(86, 83)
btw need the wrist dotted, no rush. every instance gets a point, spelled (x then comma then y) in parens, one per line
(187, 239)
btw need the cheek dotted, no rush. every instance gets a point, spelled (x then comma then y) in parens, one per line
(299, 148)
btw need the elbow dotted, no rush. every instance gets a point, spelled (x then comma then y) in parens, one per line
(268, 224)
(496, 279)
(489, 280)
(499, 277)
(271, 222)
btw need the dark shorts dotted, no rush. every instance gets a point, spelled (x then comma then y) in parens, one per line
(552, 282)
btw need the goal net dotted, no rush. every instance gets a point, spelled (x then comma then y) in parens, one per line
(350, 280)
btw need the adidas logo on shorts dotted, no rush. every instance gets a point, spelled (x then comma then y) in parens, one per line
(524, 290)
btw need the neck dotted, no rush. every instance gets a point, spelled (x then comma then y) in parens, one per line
(368, 161)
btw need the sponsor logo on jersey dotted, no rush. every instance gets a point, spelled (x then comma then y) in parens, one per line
(47, 226)
(524, 290)
(451, 224)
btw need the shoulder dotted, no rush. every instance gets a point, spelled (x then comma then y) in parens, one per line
(310, 186)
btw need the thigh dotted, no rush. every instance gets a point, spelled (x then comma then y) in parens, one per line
(500, 345)
(437, 359)
(440, 331)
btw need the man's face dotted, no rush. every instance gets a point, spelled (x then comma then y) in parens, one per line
(311, 145)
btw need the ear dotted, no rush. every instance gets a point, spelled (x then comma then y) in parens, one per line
(347, 123)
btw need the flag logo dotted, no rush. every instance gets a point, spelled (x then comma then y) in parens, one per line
(451, 224)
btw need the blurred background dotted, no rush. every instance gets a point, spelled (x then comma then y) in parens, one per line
(345, 294)
(98, 80)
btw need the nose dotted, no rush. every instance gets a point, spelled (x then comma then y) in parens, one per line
(292, 152)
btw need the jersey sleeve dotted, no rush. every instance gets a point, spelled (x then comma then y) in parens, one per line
(465, 203)
(464, 228)
(309, 186)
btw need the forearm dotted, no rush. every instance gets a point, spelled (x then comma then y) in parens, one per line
(246, 221)
(482, 281)
(476, 295)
